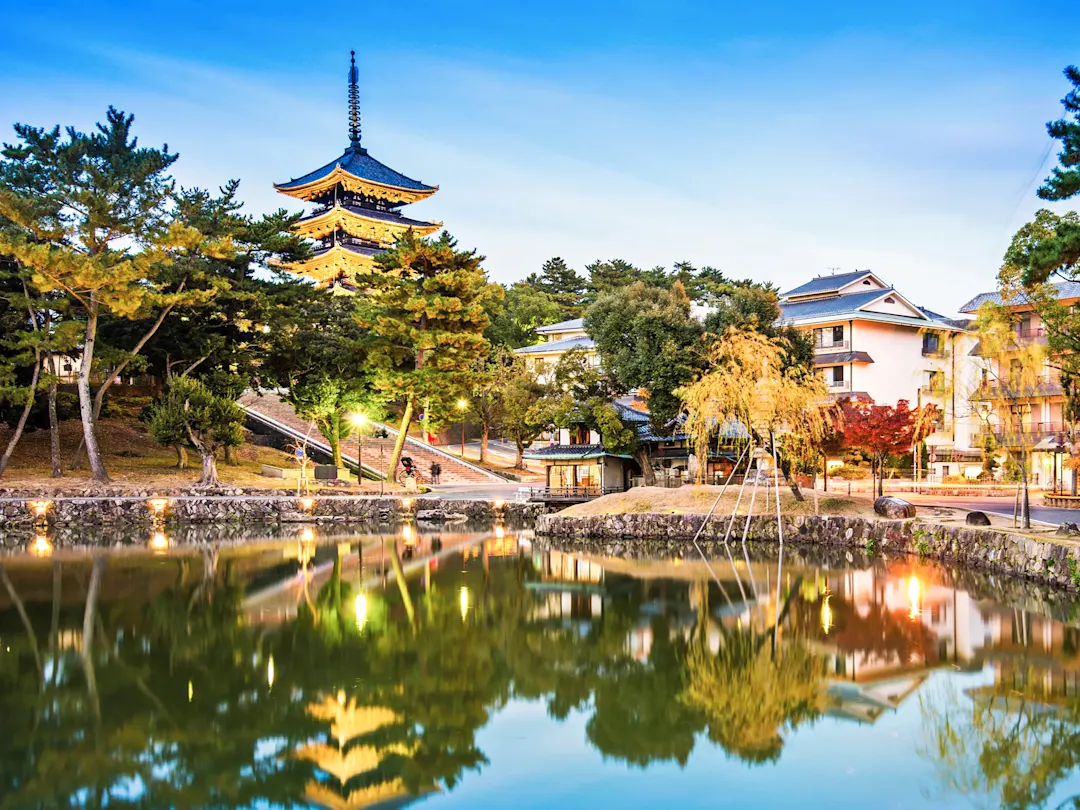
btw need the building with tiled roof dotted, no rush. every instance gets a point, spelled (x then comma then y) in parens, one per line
(873, 343)
(358, 214)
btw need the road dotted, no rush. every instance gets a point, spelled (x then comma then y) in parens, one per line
(1001, 506)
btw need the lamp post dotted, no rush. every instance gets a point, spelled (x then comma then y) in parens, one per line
(359, 420)
(462, 405)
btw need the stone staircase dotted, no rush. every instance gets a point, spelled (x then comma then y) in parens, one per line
(270, 410)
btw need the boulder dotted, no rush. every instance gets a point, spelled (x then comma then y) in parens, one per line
(977, 518)
(894, 508)
(431, 515)
(1068, 529)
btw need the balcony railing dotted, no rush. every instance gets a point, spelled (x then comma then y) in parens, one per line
(1027, 435)
(1043, 386)
(547, 494)
(933, 351)
(831, 346)
(836, 386)
(1038, 334)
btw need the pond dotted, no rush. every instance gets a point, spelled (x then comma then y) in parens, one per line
(298, 671)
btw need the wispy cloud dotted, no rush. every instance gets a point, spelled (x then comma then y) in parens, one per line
(841, 154)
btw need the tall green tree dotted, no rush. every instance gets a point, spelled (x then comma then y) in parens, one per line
(648, 340)
(427, 307)
(525, 307)
(563, 284)
(92, 216)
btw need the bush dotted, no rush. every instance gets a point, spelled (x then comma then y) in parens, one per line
(851, 472)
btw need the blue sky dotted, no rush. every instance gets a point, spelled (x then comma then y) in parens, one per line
(774, 140)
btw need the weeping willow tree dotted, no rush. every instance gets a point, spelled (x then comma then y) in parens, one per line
(753, 382)
(752, 693)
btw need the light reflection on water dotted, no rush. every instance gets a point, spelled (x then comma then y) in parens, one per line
(296, 671)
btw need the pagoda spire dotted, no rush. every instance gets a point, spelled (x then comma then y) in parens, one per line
(354, 103)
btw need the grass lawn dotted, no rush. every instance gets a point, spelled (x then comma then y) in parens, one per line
(698, 499)
(135, 462)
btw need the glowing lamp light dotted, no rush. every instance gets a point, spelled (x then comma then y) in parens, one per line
(270, 674)
(463, 404)
(41, 546)
(358, 419)
(307, 535)
(307, 504)
(159, 541)
(158, 505)
(463, 601)
(406, 503)
(361, 611)
(408, 534)
(500, 532)
(826, 616)
(498, 504)
(40, 508)
(914, 589)
(190, 691)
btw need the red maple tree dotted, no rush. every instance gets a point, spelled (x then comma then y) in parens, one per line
(883, 430)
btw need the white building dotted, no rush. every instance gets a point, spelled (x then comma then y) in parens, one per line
(560, 338)
(872, 343)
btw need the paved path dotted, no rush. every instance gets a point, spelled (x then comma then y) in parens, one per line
(276, 414)
(1000, 506)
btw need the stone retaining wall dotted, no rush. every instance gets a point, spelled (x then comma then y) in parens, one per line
(277, 509)
(994, 550)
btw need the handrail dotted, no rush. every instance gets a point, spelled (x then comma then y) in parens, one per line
(316, 443)
(432, 448)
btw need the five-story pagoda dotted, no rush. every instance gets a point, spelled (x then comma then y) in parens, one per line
(358, 216)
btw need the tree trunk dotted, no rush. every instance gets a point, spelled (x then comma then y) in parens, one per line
(519, 461)
(181, 456)
(14, 440)
(333, 438)
(647, 474)
(228, 456)
(485, 432)
(399, 443)
(54, 424)
(86, 405)
(209, 469)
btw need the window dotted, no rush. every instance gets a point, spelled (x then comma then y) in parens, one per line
(945, 470)
(867, 282)
(837, 374)
(890, 300)
(933, 379)
(931, 342)
(838, 334)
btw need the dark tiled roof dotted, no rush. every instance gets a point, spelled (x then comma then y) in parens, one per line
(363, 250)
(824, 284)
(842, 357)
(571, 452)
(562, 326)
(360, 164)
(371, 213)
(558, 346)
(1063, 289)
(834, 305)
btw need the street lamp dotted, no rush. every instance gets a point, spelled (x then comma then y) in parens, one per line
(462, 405)
(359, 420)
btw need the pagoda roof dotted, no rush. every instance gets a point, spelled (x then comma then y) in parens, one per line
(338, 215)
(360, 172)
(335, 261)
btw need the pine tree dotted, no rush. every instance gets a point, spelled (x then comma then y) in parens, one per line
(427, 307)
(92, 217)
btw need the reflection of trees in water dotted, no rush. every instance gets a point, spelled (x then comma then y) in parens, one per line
(435, 678)
(999, 745)
(751, 694)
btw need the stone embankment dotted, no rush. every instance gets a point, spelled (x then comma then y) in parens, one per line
(84, 511)
(668, 535)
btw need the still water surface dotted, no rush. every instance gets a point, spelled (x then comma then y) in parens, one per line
(297, 672)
